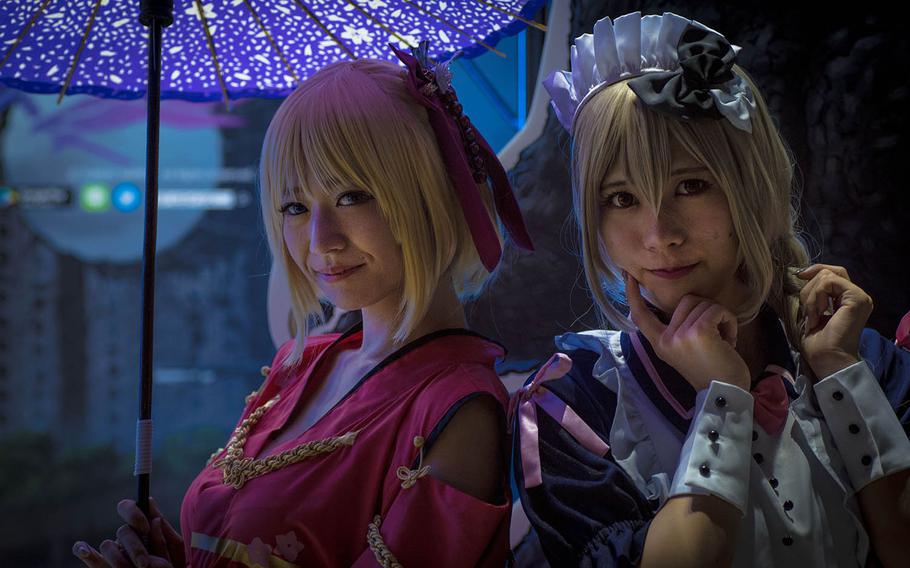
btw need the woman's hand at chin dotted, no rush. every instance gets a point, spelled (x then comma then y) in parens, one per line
(699, 341)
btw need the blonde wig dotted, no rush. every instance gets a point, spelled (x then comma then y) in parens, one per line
(615, 130)
(354, 123)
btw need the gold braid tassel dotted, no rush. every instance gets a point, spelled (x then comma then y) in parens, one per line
(238, 469)
(382, 553)
(409, 477)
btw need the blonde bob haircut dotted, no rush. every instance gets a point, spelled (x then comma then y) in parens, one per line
(615, 130)
(354, 124)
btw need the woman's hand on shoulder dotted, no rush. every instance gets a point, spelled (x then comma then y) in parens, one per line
(165, 545)
(699, 341)
(834, 312)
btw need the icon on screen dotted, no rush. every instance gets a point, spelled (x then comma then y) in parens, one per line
(126, 197)
(8, 197)
(95, 197)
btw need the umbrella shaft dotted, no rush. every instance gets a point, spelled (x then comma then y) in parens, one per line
(149, 250)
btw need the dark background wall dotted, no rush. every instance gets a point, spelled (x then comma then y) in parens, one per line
(836, 82)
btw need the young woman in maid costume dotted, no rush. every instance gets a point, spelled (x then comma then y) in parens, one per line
(741, 415)
(383, 445)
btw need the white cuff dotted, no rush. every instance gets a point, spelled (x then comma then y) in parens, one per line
(864, 427)
(717, 454)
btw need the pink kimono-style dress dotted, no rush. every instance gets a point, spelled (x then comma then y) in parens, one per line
(351, 490)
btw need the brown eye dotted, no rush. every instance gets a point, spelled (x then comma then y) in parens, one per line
(693, 186)
(619, 200)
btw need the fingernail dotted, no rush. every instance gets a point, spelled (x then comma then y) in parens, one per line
(801, 270)
(80, 550)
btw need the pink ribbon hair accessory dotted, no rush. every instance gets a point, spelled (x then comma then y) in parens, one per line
(468, 158)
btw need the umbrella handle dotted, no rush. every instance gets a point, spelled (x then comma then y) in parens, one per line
(156, 15)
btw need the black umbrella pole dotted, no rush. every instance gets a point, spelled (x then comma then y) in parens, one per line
(156, 15)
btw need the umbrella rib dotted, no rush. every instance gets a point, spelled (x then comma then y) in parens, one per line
(380, 24)
(211, 43)
(518, 17)
(271, 40)
(24, 31)
(457, 29)
(75, 62)
(319, 23)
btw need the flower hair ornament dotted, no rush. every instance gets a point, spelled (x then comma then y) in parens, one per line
(676, 65)
(468, 158)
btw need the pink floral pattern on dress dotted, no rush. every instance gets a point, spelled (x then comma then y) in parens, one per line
(288, 546)
(259, 553)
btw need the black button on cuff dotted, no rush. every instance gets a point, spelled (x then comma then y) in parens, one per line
(704, 470)
(720, 402)
(713, 435)
(866, 460)
(837, 395)
(758, 458)
(788, 505)
(774, 483)
(854, 429)
(787, 541)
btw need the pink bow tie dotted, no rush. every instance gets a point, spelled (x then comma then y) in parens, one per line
(770, 404)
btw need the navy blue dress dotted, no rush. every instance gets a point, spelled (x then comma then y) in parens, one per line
(589, 510)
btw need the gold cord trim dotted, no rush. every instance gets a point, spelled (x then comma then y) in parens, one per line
(237, 470)
(24, 31)
(82, 42)
(477, 40)
(380, 24)
(409, 477)
(274, 46)
(518, 17)
(382, 553)
(325, 29)
(211, 43)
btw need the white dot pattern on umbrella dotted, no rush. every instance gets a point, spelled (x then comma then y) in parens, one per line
(113, 62)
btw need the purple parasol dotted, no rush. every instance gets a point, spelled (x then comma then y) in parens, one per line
(230, 49)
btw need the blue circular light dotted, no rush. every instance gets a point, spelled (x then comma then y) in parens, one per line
(126, 197)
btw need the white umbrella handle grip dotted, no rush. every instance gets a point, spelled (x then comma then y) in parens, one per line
(143, 462)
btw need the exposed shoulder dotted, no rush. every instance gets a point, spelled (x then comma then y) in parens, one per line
(460, 412)
(468, 452)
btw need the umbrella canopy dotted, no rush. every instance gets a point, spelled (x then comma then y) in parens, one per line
(229, 49)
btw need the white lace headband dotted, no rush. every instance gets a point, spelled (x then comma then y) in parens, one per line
(676, 66)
